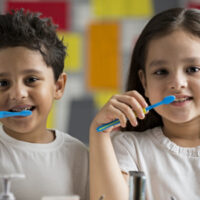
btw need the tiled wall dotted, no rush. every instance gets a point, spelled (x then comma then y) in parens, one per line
(100, 35)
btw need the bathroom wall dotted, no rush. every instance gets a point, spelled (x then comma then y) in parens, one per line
(100, 36)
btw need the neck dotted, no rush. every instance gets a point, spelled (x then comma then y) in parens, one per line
(185, 135)
(42, 136)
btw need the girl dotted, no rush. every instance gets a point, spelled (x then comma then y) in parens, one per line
(164, 143)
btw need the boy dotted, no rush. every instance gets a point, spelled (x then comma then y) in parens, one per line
(31, 77)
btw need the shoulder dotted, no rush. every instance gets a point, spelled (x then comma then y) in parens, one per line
(131, 147)
(71, 142)
(135, 138)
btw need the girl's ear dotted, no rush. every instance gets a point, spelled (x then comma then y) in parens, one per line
(142, 77)
(60, 86)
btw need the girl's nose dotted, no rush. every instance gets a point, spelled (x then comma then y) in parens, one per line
(178, 82)
(18, 92)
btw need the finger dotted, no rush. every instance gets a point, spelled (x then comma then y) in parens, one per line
(115, 113)
(138, 97)
(133, 103)
(127, 111)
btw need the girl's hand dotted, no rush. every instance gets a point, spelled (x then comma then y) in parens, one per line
(123, 106)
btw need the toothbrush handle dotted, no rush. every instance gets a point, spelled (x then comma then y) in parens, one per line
(153, 106)
(4, 114)
(107, 125)
(166, 100)
(113, 123)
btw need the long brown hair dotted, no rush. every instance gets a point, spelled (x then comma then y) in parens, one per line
(160, 25)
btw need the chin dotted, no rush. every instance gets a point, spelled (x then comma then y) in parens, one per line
(177, 119)
(181, 120)
(19, 128)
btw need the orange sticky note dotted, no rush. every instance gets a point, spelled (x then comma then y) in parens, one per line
(104, 56)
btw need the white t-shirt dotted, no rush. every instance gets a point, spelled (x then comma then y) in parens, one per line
(57, 168)
(170, 170)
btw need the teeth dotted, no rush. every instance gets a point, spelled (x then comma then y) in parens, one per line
(181, 99)
(20, 109)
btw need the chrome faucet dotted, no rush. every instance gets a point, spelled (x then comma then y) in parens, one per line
(137, 185)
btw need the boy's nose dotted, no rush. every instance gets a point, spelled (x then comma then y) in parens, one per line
(18, 92)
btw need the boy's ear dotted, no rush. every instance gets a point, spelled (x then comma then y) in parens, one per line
(60, 86)
(142, 77)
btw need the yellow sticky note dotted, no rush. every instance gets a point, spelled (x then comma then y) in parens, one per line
(140, 8)
(102, 97)
(104, 59)
(51, 118)
(73, 41)
(122, 8)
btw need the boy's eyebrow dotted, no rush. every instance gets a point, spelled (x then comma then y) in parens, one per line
(27, 71)
(4, 74)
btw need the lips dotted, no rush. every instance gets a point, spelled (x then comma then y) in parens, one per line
(180, 99)
(19, 108)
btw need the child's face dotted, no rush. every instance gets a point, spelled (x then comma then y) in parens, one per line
(26, 83)
(173, 68)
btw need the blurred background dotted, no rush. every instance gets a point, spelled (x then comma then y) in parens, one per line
(100, 36)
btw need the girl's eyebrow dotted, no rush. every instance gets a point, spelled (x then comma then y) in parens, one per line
(191, 59)
(158, 63)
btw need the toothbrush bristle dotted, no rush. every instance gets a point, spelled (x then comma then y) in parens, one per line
(169, 99)
(26, 112)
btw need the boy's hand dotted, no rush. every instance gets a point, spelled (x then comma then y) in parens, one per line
(123, 106)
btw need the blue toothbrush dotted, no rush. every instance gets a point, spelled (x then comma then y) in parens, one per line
(166, 100)
(23, 113)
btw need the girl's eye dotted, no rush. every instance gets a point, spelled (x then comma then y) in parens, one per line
(4, 83)
(161, 72)
(193, 69)
(31, 80)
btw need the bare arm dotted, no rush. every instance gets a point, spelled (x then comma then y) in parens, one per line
(106, 177)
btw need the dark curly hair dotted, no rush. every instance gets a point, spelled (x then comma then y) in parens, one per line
(25, 28)
(160, 25)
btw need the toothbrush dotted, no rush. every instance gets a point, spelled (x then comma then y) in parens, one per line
(23, 113)
(166, 100)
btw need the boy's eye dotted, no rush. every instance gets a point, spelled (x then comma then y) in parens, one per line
(160, 72)
(4, 83)
(193, 69)
(31, 80)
